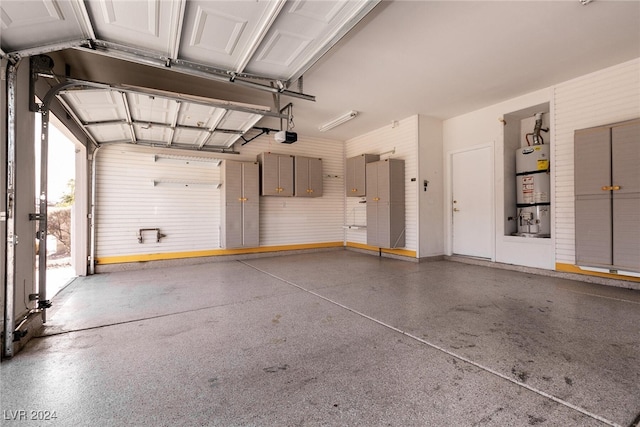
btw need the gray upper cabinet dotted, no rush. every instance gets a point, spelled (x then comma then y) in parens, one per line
(307, 176)
(277, 174)
(386, 204)
(355, 180)
(607, 196)
(240, 221)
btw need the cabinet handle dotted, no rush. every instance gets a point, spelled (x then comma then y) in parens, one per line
(242, 199)
(353, 190)
(376, 199)
(606, 188)
(616, 188)
(611, 188)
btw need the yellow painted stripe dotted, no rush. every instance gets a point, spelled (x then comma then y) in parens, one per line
(403, 252)
(211, 252)
(570, 268)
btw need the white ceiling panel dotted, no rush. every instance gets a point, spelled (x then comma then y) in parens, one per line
(156, 117)
(222, 139)
(150, 108)
(188, 136)
(151, 133)
(143, 24)
(300, 33)
(225, 33)
(238, 120)
(96, 105)
(195, 115)
(26, 25)
(114, 132)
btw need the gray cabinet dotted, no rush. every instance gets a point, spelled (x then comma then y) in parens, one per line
(385, 204)
(240, 220)
(355, 179)
(277, 174)
(307, 176)
(607, 196)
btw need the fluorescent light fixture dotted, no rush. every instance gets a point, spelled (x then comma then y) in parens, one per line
(338, 121)
(185, 159)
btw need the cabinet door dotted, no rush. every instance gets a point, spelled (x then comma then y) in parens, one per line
(592, 166)
(397, 224)
(308, 177)
(277, 174)
(270, 174)
(232, 205)
(355, 177)
(315, 177)
(240, 215)
(373, 221)
(593, 230)
(250, 205)
(285, 175)
(301, 176)
(592, 160)
(625, 149)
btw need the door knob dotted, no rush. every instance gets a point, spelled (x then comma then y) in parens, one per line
(456, 210)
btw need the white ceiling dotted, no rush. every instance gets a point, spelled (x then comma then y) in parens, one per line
(435, 58)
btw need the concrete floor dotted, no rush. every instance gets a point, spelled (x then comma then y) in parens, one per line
(330, 338)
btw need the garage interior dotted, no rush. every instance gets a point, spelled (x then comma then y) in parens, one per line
(316, 213)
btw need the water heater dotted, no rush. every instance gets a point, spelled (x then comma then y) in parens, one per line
(533, 191)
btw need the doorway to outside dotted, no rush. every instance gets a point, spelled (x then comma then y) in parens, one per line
(472, 201)
(60, 198)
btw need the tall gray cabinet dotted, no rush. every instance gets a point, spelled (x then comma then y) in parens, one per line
(355, 180)
(240, 220)
(385, 203)
(607, 196)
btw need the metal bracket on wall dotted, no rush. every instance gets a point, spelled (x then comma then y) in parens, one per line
(158, 234)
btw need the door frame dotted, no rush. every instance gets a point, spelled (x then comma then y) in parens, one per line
(448, 205)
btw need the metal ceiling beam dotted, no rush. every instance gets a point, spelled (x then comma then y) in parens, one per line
(174, 123)
(189, 147)
(75, 84)
(130, 54)
(127, 110)
(12, 239)
(54, 47)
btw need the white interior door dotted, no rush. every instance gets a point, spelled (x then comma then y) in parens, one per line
(472, 201)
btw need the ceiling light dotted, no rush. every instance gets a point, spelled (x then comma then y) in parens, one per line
(338, 121)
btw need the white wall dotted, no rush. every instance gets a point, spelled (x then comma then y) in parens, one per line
(607, 96)
(398, 141)
(481, 128)
(186, 207)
